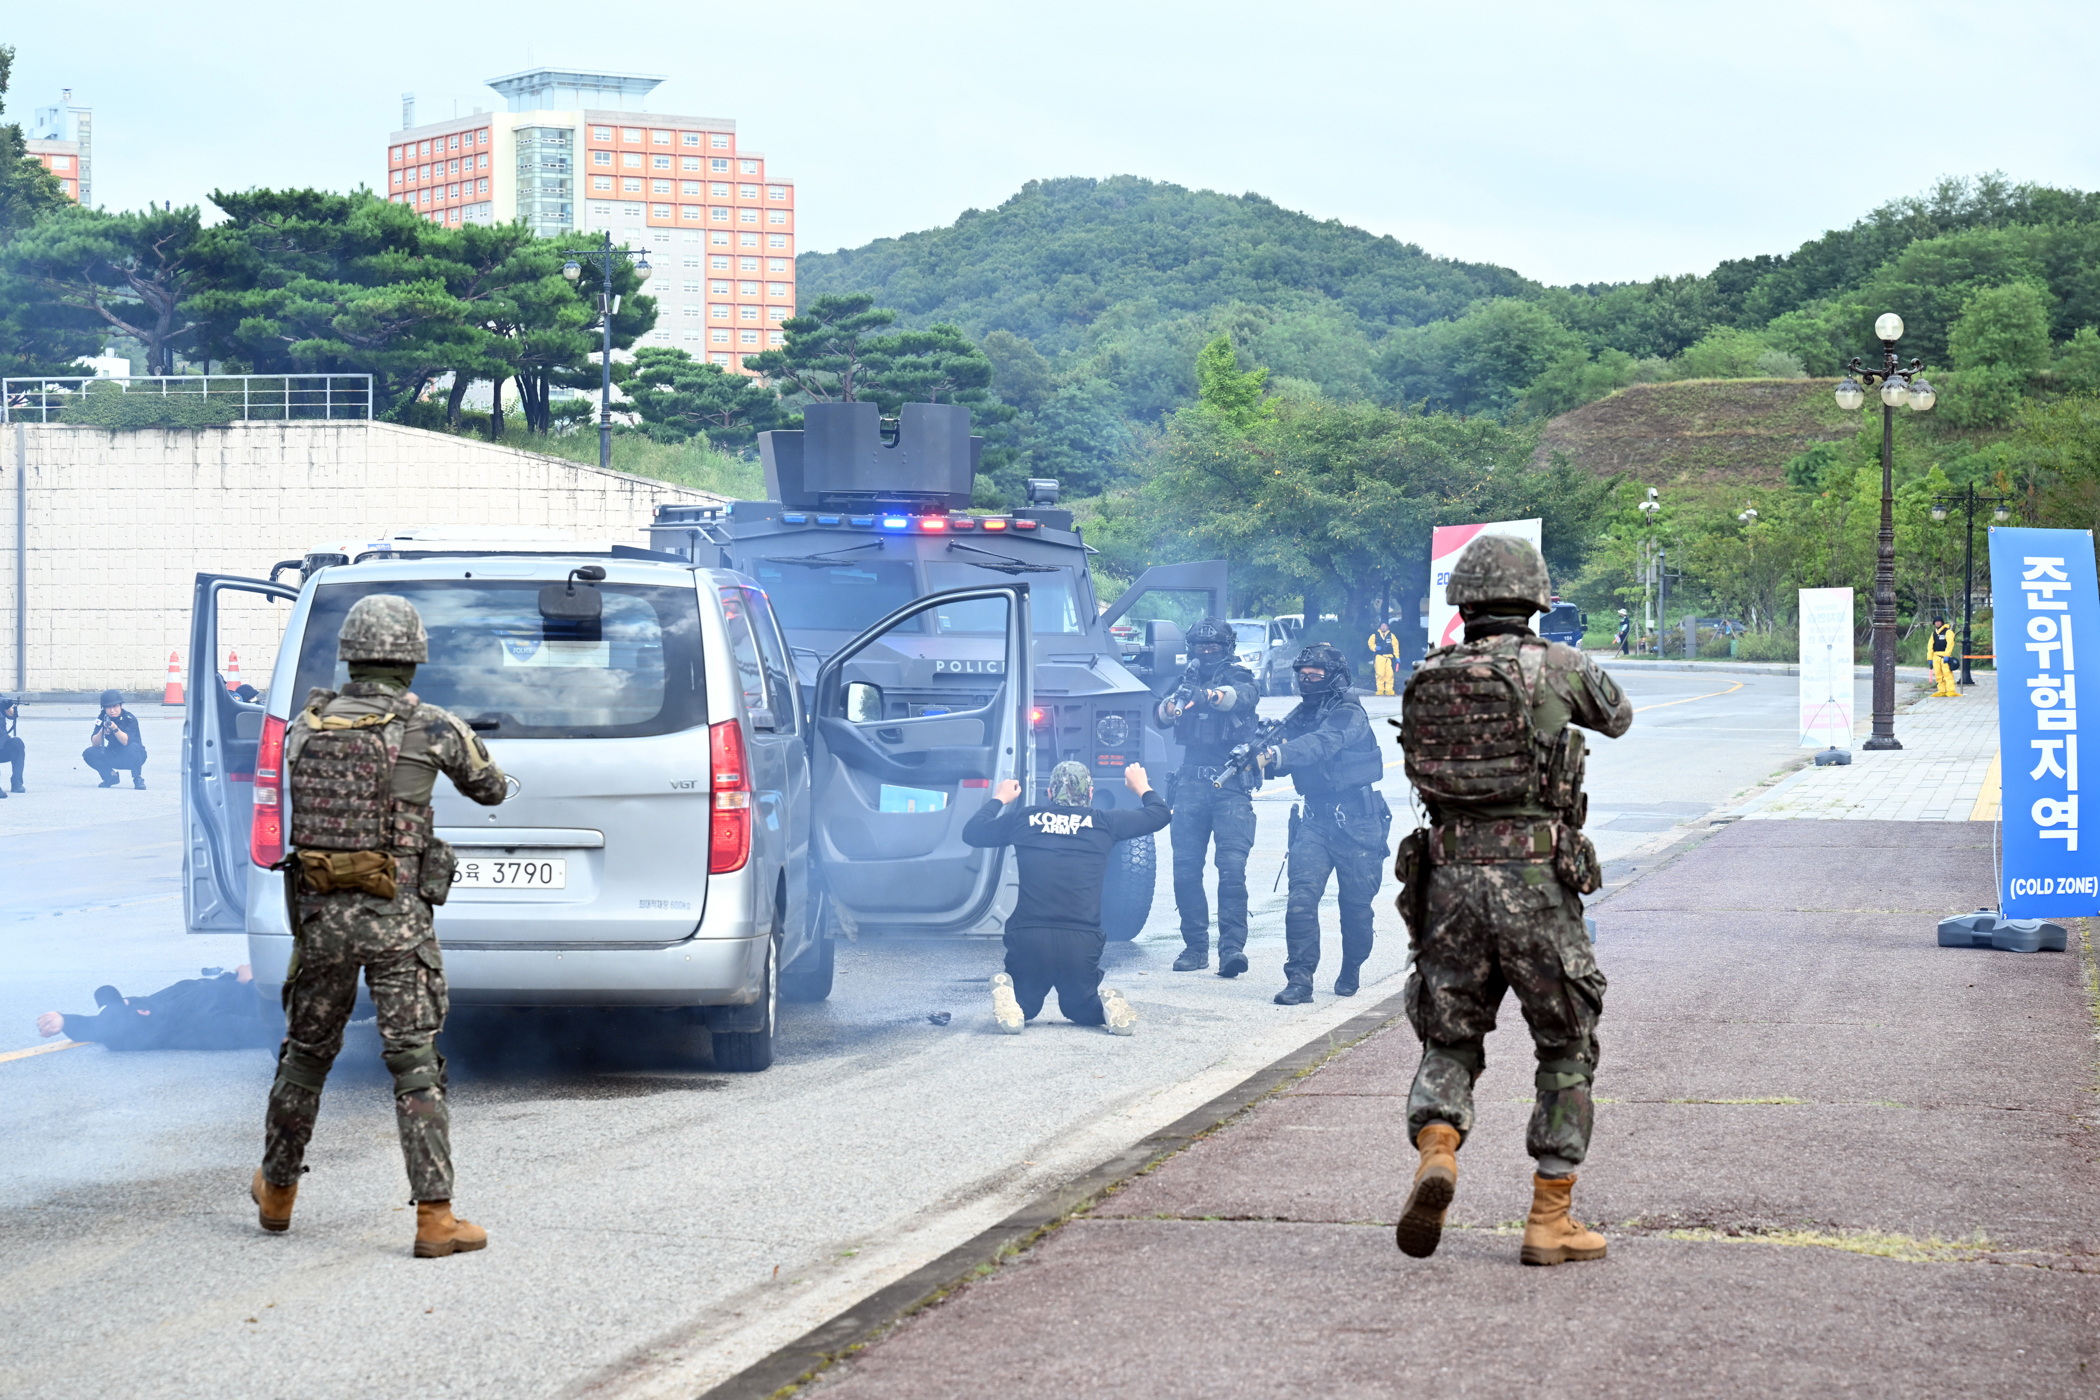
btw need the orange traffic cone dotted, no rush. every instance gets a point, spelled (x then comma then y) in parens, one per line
(233, 670)
(173, 694)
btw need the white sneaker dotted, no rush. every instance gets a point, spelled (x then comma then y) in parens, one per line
(1122, 1016)
(1006, 1012)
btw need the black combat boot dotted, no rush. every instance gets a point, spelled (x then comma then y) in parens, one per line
(1231, 964)
(1345, 984)
(1194, 958)
(1294, 994)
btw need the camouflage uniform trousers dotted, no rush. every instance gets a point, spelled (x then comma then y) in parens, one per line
(1203, 811)
(393, 943)
(1321, 849)
(1492, 928)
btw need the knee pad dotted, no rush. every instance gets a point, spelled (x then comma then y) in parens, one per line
(1468, 1057)
(1555, 1075)
(302, 1068)
(417, 1068)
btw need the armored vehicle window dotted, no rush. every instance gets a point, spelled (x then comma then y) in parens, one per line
(495, 660)
(1051, 603)
(837, 598)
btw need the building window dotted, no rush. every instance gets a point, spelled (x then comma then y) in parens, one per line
(453, 142)
(747, 192)
(719, 140)
(631, 185)
(747, 216)
(452, 192)
(776, 240)
(659, 186)
(718, 312)
(689, 211)
(692, 236)
(719, 239)
(776, 289)
(482, 136)
(601, 211)
(601, 182)
(393, 154)
(777, 264)
(689, 163)
(659, 162)
(749, 240)
(749, 289)
(601, 157)
(631, 133)
(690, 288)
(718, 337)
(747, 313)
(719, 164)
(693, 311)
(601, 133)
(719, 191)
(452, 167)
(776, 192)
(659, 211)
(747, 337)
(719, 359)
(397, 177)
(718, 263)
(720, 289)
(748, 264)
(690, 138)
(423, 148)
(481, 186)
(690, 188)
(720, 216)
(482, 161)
(775, 338)
(632, 160)
(691, 335)
(632, 211)
(749, 167)
(776, 313)
(776, 216)
(660, 138)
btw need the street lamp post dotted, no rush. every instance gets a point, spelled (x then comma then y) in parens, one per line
(573, 270)
(1898, 385)
(1650, 553)
(1967, 500)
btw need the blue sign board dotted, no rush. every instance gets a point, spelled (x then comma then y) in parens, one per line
(2045, 621)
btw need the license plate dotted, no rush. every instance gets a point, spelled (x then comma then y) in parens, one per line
(510, 873)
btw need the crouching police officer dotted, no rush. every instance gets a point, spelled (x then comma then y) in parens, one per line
(1328, 749)
(365, 870)
(1493, 887)
(1208, 725)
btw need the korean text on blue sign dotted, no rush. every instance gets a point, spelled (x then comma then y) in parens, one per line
(2046, 619)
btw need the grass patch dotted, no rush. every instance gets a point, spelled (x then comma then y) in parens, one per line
(694, 463)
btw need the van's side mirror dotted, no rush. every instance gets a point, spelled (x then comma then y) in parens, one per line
(863, 702)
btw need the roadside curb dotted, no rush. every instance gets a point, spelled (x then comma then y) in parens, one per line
(1745, 668)
(787, 1370)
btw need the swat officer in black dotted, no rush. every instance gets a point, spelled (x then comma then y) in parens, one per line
(1211, 712)
(1328, 749)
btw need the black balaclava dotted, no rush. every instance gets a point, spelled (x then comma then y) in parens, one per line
(1486, 620)
(394, 673)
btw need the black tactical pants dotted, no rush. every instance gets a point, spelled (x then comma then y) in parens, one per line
(1203, 813)
(1493, 929)
(108, 759)
(1318, 850)
(1068, 959)
(13, 752)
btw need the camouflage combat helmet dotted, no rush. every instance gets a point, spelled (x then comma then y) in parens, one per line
(1211, 632)
(1071, 785)
(1330, 659)
(1500, 569)
(383, 627)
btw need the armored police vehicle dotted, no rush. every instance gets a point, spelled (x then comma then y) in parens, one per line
(918, 628)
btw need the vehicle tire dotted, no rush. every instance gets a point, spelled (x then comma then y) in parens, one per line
(808, 977)
(747, 1052)
(1126, 892)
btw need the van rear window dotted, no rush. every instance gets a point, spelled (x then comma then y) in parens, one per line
(496, 662)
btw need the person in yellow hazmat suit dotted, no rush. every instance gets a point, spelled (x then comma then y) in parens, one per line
(1385, 656)
(1941, 651)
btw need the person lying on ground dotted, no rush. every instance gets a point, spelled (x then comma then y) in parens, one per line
(217, 1012)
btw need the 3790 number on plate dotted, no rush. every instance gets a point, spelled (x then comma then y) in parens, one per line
(510, 873)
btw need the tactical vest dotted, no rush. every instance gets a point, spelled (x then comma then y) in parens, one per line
(1211, 733)
(1469, 738)
(339, 773)
(1358, 765)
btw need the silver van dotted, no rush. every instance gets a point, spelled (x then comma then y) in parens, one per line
(654, 849)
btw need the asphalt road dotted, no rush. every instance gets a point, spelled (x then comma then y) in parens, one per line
(655, 1225)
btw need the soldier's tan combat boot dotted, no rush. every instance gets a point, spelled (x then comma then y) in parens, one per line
(273, 1204)
(1436, 1181)
(439, 1232)
(1550, 1237)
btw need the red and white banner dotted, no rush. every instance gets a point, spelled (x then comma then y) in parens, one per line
(1446, 543)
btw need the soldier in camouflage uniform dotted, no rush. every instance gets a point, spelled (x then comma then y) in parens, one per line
(1492, 889)
(365, 870)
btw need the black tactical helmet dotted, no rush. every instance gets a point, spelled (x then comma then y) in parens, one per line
(1327, 658)
(1211, 631)
(112, 697)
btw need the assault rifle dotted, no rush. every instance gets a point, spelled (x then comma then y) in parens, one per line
(1243, 755)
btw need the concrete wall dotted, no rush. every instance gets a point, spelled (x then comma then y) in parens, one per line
(120, 522)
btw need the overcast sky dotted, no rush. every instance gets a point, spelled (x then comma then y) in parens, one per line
(1573, 142)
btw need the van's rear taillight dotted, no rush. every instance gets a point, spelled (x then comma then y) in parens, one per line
(266, 834)
(729, 824)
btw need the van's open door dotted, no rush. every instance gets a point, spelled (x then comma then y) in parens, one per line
(220, 734)
(906, 746)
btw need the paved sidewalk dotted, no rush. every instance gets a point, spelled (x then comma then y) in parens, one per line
(1829, 1156)
(1948, 763)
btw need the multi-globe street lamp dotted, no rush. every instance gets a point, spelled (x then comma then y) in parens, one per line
(1651, 557)
(573, 270)
(1900, 385)
(1966, 500)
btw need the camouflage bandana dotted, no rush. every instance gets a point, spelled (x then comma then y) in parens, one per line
(1071, 785)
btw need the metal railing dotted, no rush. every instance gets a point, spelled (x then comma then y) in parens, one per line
(185, 400)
